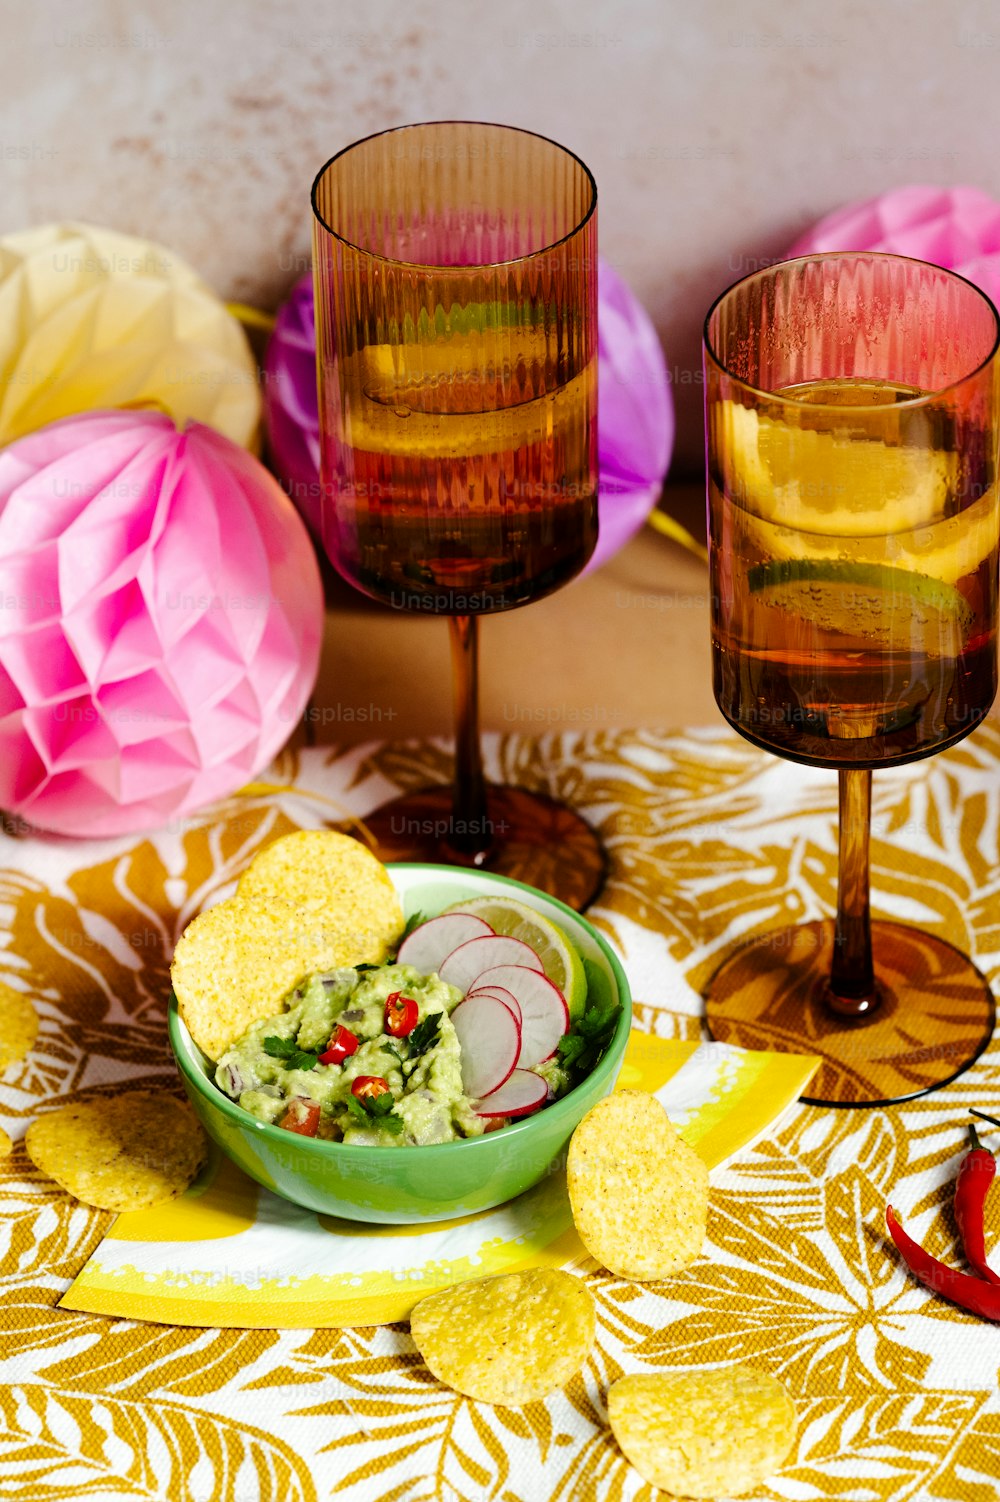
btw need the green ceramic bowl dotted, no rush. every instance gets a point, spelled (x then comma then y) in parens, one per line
(415, 1184)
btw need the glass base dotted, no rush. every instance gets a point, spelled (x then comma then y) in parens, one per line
(531, 837)
(935, 1015)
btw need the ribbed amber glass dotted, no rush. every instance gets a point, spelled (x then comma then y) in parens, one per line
(854, 520)
(455, 267)
(456, 312)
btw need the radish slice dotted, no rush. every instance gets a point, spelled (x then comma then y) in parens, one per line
(466, 963)
(490, 1039)
(507, 997)
(430, 944)
(519, 1095)
(544, 1014)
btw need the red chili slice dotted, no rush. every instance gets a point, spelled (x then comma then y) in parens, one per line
(401, 1015)
(369, 1087)
(302, 1116)
(341, 1045)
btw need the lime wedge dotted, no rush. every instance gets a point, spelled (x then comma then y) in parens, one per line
(561, 962)
(880, 608)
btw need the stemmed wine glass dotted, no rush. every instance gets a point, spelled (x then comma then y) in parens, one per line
(851, 407)
(455, 266)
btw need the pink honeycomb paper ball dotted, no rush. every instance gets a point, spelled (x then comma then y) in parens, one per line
(957, 228)
(160, 625)
(635, 412)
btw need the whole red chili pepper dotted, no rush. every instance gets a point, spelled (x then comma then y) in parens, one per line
(975, 1176)
(960, 1288)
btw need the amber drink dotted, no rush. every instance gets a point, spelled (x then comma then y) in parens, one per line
(855, 541)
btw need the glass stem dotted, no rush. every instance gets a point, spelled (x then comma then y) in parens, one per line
(852, 990)
(469, 835)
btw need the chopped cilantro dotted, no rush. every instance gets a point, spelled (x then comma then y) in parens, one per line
(596, 1018)
(424, 1036)
(590, 1035)
(289, 1052)
(380, 1108)
(570, 1047)
(412, 922)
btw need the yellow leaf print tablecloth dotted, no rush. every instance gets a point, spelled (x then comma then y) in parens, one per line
(709, 840)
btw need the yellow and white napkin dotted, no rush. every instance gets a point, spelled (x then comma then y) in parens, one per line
(228, 1253)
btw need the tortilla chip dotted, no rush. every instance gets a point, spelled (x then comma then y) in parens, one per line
(236, 964)
(6, 1146)
(511, 1339)
(639, 1194)
(703, 1434)
(122, 1152)
(321, 869)
(18, 1026)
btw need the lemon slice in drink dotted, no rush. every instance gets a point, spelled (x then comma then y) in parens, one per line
(802, 496)
(949, 550)
(825, 483)
(560, 960)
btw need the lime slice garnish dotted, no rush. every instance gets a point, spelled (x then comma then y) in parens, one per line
(882, 608)
(560, 960)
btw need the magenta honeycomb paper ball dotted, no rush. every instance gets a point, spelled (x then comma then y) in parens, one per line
(635, 415)
(957, 228)
(161, 622)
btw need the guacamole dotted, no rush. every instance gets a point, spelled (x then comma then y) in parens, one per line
(418, 1098)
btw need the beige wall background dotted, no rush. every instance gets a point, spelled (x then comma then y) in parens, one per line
(717, 131)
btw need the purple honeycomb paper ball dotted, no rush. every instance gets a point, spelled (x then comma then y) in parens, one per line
(291, 403)
(635, 422)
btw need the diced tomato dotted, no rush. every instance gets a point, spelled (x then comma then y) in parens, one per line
(369, 1086)
(401, 1014)
(302, 1116)
(341, 1045)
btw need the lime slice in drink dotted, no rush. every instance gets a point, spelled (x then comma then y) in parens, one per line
(561, 962)
(828, 483)
(874, 606)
